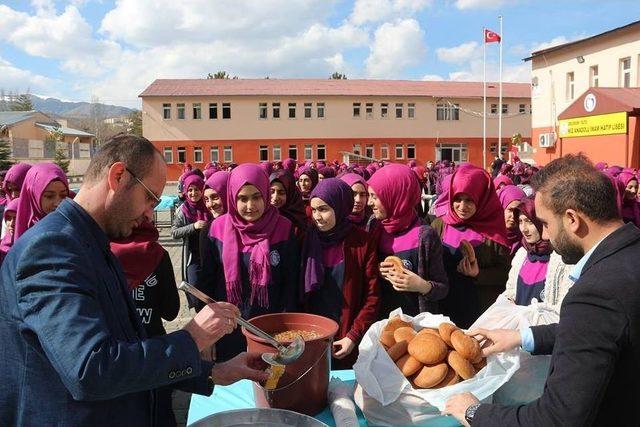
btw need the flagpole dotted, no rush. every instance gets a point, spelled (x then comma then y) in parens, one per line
(484, 98)
(500, 92)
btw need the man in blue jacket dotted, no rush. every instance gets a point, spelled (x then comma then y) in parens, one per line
(72, 348)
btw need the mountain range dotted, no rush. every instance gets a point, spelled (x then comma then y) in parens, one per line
(76, 109)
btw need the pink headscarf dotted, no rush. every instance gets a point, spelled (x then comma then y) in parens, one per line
(256, 236)
(351, 179)
(507, 195)
(35, 182)
(399, 192)
(7, 240)
(15, 175)
(630, 208)
(501, 180)
(194, 211)
(218, 183)
(489, 217)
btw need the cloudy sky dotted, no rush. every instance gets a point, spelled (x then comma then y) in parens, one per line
(76, 49)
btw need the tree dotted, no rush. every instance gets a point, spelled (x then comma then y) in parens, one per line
(5, 155)
(62, 160)
(22, 103)
(218, 75)
(338, 76)
(61, 153)
(135, 123)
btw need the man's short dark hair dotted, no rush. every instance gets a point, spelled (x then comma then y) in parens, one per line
(134, 151)
(572, 182)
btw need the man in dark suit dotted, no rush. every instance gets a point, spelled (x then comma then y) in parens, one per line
(594, 376)
(73, 351)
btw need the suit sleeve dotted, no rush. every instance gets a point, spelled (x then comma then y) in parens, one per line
(57, 298)
(544, 338)
(370, 296)
(589, 341)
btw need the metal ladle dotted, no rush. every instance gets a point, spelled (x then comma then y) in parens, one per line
(285, 355)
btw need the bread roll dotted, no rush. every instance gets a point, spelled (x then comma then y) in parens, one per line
(398, 350)
(387, 339)
(406, 333)
(431, 375)
(467, 250)
(467, 346)
(462, 366)
(445, 330)
(408, 365)
(398, 266)
(429, 349)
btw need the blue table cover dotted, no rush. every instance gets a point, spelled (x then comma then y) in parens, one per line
(240, 396)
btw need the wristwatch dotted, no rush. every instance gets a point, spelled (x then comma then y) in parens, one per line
(471, 412)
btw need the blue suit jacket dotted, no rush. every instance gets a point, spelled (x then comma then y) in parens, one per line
(72, 349)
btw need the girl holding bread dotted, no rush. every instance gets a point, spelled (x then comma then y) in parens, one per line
(421, 281)
(340, 269)
(475, 217)
(251, 257)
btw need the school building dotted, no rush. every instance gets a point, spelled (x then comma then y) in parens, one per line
(585, 97)
(253, 120)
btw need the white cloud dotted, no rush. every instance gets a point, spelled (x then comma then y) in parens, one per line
(432, 78)
(365, 11)
(14, 79)
(527, 49)
(482, 4)
(459, 54)
(519, 72)
(396, 46)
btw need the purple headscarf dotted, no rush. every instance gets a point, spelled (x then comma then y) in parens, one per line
(36, 181)
(541, 247)
(15, 175)
(507, 195)
(601, 166)
(7, 240)
(327, 172)
(289, 164)
(339, 196)
(241, 235)
(313, 176)
(441, 206)
(267, 167)
(194, 211)
(614, 171)
(630, 208)
(218, 183)
(351, 179)
(293, 208)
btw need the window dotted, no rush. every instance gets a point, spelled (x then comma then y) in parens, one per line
(522, 108)
(368, 151)
(399, 151)
(36, 148)
(264, 153)
(277, 154)
(213, 110)
(625, 72)
(262, 110)
(320, 106)
(593, 76)
(452, 152)
(448, 111)
(197, 111)
(356, 109)
(384, 151)
(384, 110)
(166, 111)
(180, 108)
(182, 155)
(293, 152)
(411, 151)
(214, 154)
(308, 152)
(505, 108)
(275, 110)
(494, 109)
(85, 151)
(569, 87)
(321, 152)
(369, 110)
(356, 148)
(228, 152)
(168, 154)
(292, 110)
(197, 154)
(411, 111)
(307, 110)
(399, 111)
(226, 110)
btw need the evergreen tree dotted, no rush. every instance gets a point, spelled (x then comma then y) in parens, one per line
(5, 155)
(62, 160)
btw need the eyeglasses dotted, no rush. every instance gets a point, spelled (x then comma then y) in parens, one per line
(151, 193)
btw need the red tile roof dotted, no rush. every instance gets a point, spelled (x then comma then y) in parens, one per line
(300, 87)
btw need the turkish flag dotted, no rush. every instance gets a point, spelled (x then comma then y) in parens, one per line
(491, 37)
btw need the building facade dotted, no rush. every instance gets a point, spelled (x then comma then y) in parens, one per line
(30, 135)
(236, 121)
(575, 87)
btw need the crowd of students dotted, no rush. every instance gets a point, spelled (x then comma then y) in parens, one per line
(313, 237)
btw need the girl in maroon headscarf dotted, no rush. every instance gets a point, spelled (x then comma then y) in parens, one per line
(510, 198)
(475, 215)
(307, 181)
(252, 258)
(9, 218)
(287, 198)
(11, 185)
(45, 186)
(190, 218)
(630, 205)
(361, 212)
(394, 193)
(340, 270)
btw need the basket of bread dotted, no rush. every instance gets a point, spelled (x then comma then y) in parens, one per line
(409, 366)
